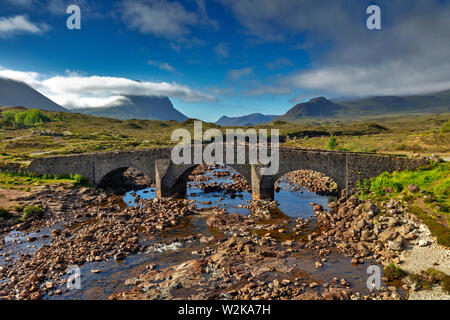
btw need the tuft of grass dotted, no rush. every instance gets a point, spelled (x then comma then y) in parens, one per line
(392, 272)
(32, 211)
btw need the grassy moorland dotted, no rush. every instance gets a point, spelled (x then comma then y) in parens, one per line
(421, 134)
(56, 133)
(28, 134)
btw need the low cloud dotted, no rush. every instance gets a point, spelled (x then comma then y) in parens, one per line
(393, 78)
(77, 91)
(20, 24)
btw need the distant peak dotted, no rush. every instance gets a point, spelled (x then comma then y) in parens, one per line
(319, 99)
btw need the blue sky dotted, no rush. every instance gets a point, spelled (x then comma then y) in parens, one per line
(233, 57)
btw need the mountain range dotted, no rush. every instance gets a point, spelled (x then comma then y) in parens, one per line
(315, 108)
(137, 107)
(375, 106)
(247, 120)
(14, 93)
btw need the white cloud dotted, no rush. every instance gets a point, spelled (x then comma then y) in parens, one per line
(409, 55)
(236, 74)
(162, 18)
(221, 50)
(77, 91)
(20, 24)
(392, 78)
(162, 65)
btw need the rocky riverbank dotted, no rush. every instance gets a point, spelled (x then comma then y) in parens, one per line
(264, 255)
(84, 225)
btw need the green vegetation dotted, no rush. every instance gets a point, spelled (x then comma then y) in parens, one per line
(23, 119)
(74, 133)
(332, 143)
(426, 279)
(434, 180)
(392, 272)
(445, 127)
(32, 211)
(392, 135)
(431, 204)
(10, 180)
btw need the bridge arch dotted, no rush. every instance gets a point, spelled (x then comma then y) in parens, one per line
(177, 185)
(333, 165)
(313, 180)
(124, 179)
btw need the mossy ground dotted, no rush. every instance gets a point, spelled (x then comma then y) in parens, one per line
(427, 279)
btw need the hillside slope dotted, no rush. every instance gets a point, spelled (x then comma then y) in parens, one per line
(315, 108)
(18, 94)
(374, 106)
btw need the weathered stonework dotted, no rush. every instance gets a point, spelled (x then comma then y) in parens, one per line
(345, 168)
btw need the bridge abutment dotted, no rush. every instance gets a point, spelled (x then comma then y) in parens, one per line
(263, 187)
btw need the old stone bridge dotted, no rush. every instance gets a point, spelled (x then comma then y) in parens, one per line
(345, 168)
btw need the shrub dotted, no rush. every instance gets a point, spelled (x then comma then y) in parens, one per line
(384, 181)
(29, 118)
(392, 272)
(9, 116)
(79, 179)
(332, 143)
(445, 127)
(32, 211)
